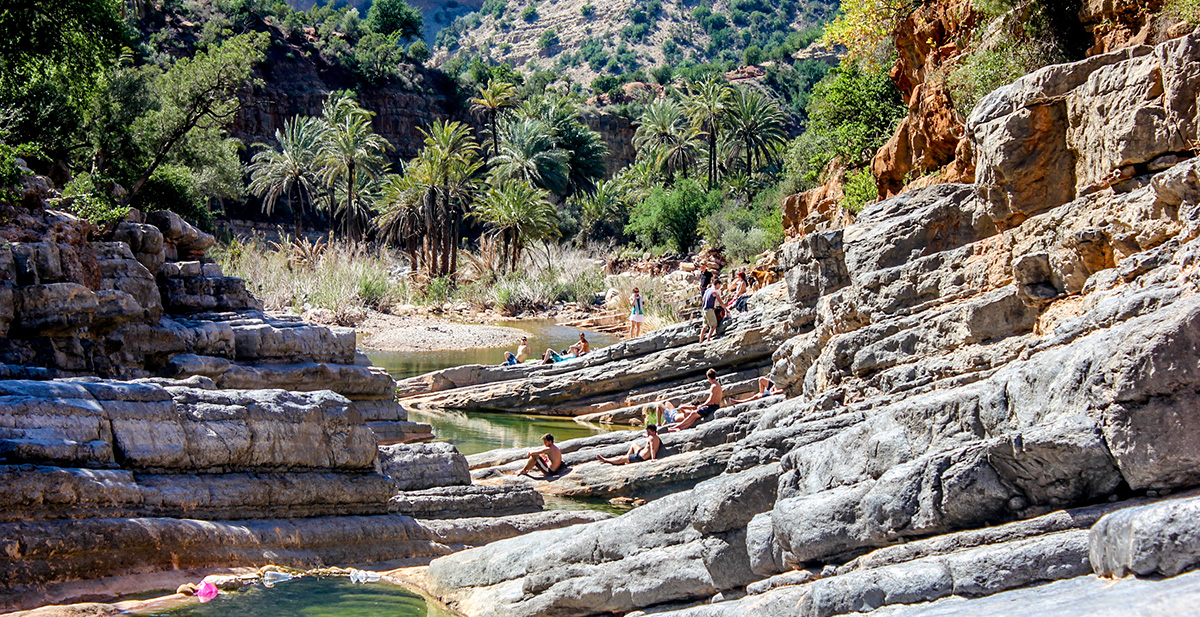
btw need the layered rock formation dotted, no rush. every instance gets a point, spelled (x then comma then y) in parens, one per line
(991, 387)
(153, 417)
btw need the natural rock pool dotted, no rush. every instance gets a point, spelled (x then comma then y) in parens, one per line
(313, 597)
(476, 432)
(543, 333)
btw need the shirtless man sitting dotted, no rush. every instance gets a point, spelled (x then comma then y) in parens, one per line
(580, 348)
(547, 460)
(637, 454)
(766, 388)
(692, 413)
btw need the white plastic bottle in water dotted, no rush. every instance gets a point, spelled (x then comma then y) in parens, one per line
(271, 577)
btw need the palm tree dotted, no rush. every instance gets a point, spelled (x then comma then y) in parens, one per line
(453, 156)
(603, 207)
(527, 153)
(493, 99)
(756, 123)
(518, 214)
(352, 153)
(402, 203)
(587, 154)
(292, 167)
(663, 133)
(707, 105)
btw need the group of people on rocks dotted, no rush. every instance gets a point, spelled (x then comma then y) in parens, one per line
(579, 349)
(660, 416)
(713, 308)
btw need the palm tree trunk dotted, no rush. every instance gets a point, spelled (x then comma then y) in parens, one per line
(516, 256)
(454, 237)
(712, 158)
(349, 214)
(749, 156)
(495, 135)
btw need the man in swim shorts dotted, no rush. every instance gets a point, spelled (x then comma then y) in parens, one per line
(637, 454)
(547, 460)
(693, 413)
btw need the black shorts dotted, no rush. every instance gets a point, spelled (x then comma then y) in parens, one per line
(707, 410)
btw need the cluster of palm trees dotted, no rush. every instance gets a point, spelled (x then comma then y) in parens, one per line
(728, 129)
(534, 157)
(538, 154)
(331, 162)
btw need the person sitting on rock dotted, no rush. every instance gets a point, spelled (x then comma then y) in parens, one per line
(636, 454)
(741, 292)
(511, 359)
(693, 413)
(580, 348)
(766, 388)
(547, 460)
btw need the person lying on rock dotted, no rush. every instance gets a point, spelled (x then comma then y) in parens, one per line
(547, 460)
(661, 413)
(637, 454)
(766, 388)
(693, 413)
(551, 356)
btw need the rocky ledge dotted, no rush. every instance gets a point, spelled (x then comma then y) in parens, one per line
(990, 395)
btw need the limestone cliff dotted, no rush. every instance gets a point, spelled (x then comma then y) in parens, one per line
(990, 387)
(930, 145)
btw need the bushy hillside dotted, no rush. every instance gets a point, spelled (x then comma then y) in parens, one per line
(583, 39)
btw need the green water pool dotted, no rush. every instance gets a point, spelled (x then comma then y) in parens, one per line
(479, 432)
(313, 597)
(543, 333)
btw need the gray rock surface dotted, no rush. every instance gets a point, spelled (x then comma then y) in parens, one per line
(466, 501)
(1158, 539)
(413, 467)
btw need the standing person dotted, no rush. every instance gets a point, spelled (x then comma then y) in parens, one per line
(706, 277)
(637, 313)
(708, 307)
(547, 460)
(741, 292)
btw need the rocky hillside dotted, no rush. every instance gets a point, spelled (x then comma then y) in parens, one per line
(581, 39)
(989, 388)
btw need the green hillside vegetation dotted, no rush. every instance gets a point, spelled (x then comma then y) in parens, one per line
(628, 37)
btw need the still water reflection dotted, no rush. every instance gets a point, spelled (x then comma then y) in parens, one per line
(543, 333)
(314, 597)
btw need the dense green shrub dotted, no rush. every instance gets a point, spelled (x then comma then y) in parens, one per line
(587, 10)
(174, 188)
(671, 218)
(529, 13)
(548, 39)
(859, 189)
(88, 198)
(856, 110)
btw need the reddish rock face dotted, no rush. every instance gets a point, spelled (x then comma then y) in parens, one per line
(1115, 24)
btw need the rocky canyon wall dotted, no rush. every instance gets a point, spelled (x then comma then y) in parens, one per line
(990, 387)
